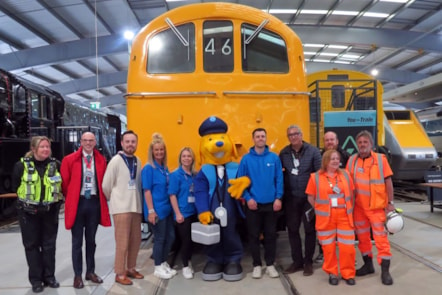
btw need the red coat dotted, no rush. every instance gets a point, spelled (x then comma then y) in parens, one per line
(72, 173)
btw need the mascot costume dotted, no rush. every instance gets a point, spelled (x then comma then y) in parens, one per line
(217, 194)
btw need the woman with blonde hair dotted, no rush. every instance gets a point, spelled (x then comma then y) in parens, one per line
(157, 207)
(182, 199)
(37, 181)
(330, 192)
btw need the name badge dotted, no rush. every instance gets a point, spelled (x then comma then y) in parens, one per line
(336, 189)
(334, 202)
(294, 171)
(131, 184)
(361, 170)
(191, 199)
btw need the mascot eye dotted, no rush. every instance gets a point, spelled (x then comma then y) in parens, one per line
(210, 138)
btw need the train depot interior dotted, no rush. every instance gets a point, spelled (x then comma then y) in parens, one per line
(69, 66)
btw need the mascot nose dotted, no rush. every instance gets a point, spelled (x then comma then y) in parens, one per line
(219, 143)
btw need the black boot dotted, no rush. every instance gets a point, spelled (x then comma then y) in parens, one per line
(385, 275)
(367, 268)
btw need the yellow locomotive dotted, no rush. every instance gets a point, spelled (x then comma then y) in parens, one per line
(233, 61)
(347, 102)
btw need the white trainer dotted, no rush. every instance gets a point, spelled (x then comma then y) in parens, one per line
(161, 272)
(168, 268)
(271, 271)
(187, 273)
(257, 272)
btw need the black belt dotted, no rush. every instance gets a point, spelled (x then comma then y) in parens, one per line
(90, 197)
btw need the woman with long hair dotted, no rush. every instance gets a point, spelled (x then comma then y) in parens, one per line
(157, 207)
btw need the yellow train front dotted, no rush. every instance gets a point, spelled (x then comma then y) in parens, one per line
(222, 59)
(347, 102)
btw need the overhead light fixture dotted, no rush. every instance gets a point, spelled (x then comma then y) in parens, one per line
(374, 72)
(128, 35)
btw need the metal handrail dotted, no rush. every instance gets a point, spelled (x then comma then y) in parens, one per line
(157, 94)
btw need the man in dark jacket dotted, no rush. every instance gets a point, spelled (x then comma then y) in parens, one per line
(86, 206)
(299, 159)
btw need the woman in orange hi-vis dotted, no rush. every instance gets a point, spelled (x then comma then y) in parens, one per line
(330, 191)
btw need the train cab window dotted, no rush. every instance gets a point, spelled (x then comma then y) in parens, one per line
(35, 105)
(172, 50)
(19, 100)
(263, 50)
(218, 46)
(338, 96)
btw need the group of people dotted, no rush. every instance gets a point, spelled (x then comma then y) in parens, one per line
(332, 198)
(333, 194)
(92, 190)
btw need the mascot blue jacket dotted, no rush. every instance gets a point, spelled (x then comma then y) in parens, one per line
(217, 194)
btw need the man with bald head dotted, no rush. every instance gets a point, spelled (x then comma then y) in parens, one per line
(86, 207)
(331, 142)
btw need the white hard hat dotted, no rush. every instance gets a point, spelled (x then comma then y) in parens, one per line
(394, 223)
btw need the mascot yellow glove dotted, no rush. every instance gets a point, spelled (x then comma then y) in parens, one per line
(237, 186)
(206, 217)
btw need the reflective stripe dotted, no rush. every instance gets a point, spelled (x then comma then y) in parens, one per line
(379, 233)
(345, 232)
(327, 241)
(326, 232)
(345, 241)
(362, 230)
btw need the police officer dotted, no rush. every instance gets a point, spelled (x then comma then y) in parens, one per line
(37, 181)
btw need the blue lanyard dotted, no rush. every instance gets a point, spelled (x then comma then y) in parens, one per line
(163, 171)
(131, 169)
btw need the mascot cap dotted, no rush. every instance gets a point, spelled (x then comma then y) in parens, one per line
(212, 125)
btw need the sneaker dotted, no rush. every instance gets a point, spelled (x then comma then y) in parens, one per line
(271, 271)
(187, 273)
(257, 272)
(168, 268)
(319, 258)
(161, 272)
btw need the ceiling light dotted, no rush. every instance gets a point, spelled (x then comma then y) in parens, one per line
(374, 72)
(129, 35)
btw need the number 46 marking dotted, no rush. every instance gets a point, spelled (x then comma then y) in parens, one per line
(226, 49)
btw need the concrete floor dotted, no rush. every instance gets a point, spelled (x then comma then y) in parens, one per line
(416, 266)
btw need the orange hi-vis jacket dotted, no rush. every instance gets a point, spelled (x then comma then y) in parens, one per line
(324, 193)
(369, 179)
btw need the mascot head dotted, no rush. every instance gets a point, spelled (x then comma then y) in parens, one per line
(216, 147)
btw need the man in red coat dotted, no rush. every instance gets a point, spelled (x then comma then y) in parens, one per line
(86, 206)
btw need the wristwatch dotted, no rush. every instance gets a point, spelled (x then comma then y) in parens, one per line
(151, 211)
(391, 202)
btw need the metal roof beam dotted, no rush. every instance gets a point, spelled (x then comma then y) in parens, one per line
(114, 44)
(84, 84)
(63, 52)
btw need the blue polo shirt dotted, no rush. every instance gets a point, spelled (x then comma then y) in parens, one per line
(156, 180)
(181, 185)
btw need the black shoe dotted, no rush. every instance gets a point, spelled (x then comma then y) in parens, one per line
(319, 258)
(308, 270)
(232, 272)
(37, 287)
(293, 268)
(333, 280)
(212, 271)
(350, 281)
(52, 283)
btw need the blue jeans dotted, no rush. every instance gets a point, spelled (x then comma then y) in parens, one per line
(164, 235)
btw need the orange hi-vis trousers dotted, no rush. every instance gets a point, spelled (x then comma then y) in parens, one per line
(364, 219)
(338, 229)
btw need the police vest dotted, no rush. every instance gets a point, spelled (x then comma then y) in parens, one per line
(30, 187)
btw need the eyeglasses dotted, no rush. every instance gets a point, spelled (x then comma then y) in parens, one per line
(294, 134)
